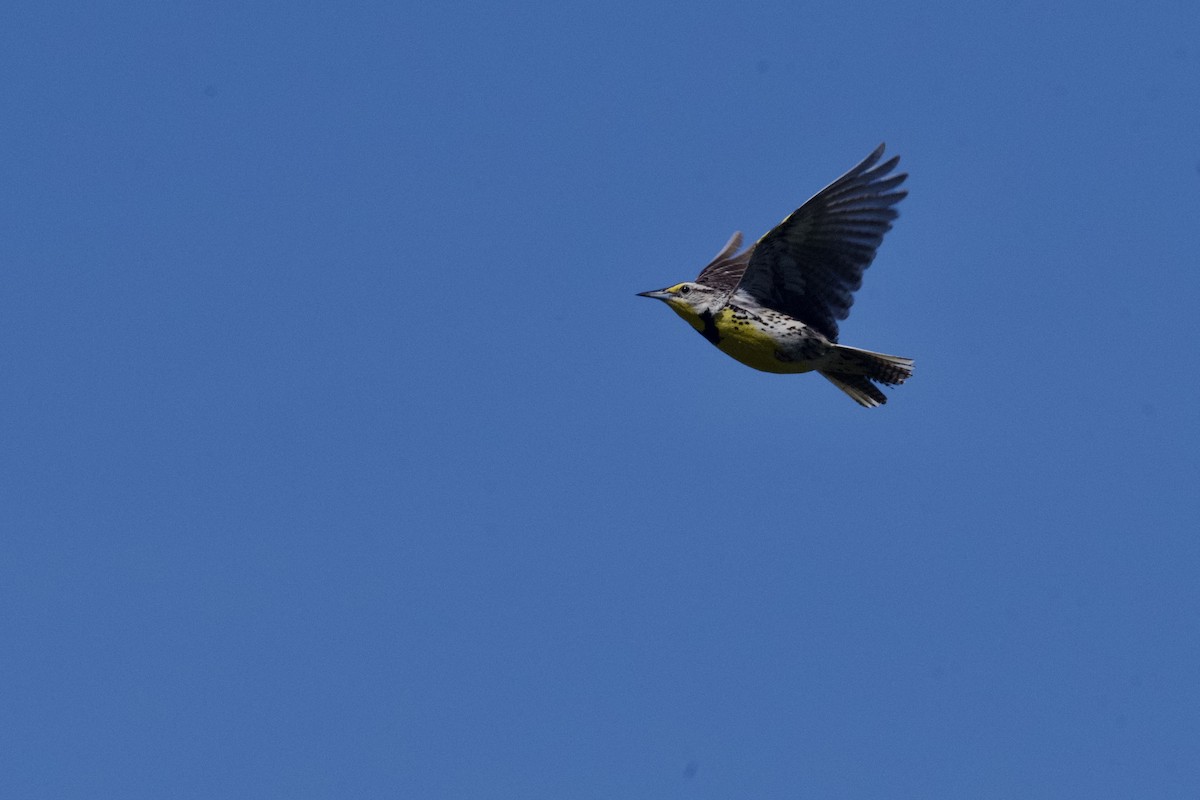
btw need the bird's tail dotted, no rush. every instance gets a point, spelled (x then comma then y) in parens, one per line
(854, 371)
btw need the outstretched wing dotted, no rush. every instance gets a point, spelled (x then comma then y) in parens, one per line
(810, 265)
(725, 270)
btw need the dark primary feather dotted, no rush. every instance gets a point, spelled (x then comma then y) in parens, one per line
(810, 265)
(725, 270)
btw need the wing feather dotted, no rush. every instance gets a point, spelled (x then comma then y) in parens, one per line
(810, 265)
(725, 270)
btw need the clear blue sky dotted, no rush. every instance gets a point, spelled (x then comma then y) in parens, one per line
(340, 460)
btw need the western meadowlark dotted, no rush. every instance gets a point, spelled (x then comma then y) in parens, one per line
(775, 305)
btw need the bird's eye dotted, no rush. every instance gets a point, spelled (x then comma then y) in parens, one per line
(685, 289)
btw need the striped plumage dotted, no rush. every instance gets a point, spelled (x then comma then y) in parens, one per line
(775, 306)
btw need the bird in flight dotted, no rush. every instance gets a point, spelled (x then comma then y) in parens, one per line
(775, 306)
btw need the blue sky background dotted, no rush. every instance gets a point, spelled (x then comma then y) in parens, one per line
(340, 460)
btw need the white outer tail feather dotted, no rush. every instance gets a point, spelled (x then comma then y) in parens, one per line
(853, 371)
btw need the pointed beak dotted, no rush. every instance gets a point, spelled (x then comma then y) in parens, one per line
(657, 295)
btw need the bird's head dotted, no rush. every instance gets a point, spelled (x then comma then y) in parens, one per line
(689, 300)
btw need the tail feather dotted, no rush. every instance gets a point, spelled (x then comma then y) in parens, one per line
(853, 371)
(858, 387)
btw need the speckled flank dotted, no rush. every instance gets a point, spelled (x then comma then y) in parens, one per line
(769, 341)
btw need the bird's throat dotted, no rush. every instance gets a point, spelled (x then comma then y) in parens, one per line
(703, 321)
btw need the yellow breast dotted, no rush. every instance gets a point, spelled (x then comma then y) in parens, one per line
(743, 338)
